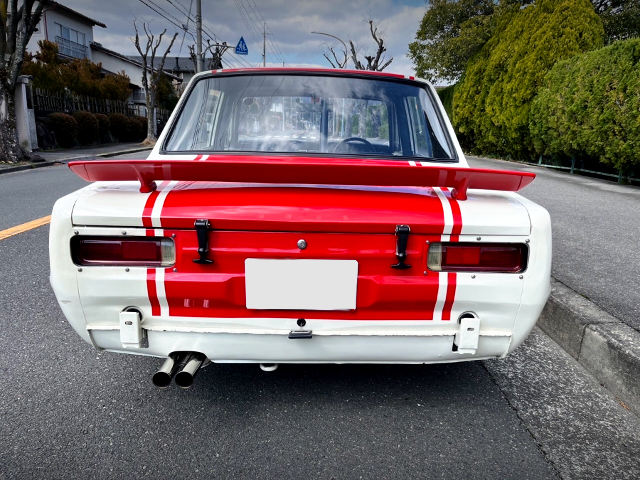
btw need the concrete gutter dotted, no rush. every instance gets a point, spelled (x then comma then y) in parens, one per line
(608, 348)
(70, 158)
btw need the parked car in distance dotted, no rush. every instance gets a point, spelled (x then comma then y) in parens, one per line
(301, 216)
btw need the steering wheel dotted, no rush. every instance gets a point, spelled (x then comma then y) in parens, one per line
(364, 141)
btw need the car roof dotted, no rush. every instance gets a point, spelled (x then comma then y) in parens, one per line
(328, 71)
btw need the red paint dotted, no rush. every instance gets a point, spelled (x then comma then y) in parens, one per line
(451, 295)
(218, 289)
(302, 170)
(152, 292)
(148, 208)
(330, 71)
(455, 236)
(299, 209)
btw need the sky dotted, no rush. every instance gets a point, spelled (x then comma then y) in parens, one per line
(289, 23)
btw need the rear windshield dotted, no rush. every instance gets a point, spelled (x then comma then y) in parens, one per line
(310, 114)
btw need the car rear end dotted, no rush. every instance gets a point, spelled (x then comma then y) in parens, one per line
(257, 262)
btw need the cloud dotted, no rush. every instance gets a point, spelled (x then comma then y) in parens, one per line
(290, 23)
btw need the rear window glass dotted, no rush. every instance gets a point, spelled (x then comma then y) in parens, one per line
(312, 114)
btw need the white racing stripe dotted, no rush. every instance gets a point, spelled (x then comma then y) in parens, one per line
(448, 214)
(443, 282)
(161, 293)
(159, 203)
(412, 163)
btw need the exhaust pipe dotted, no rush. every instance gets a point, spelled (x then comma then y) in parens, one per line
(162, 378)
(189, 369)
(269, 367)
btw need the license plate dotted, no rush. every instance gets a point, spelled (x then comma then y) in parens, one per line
(273, 284)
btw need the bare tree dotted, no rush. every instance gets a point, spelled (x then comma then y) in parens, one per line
(151, 75)
(374, 62)
(17, 24)
(216, 50)
(339, 63)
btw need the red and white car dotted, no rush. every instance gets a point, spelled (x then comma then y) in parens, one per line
(303, 216)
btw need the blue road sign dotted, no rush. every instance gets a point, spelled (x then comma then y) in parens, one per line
(241, 48)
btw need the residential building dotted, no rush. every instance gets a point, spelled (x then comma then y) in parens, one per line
(180, 67)
(71, 30)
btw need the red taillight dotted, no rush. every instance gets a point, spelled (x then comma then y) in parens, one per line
(132, 251)
(472, 257)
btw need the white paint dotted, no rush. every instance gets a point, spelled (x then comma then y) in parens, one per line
(130, 329)
(443, 284)
(159, 203)
(161, 292)
(448, 214)
(468, 335)
(301, 284)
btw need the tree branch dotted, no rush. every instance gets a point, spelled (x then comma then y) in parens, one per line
(329, 60)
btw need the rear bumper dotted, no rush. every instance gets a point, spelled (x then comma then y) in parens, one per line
(270, 348)
(508, 306)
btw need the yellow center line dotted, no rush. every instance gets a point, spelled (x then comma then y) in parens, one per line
(10, 232)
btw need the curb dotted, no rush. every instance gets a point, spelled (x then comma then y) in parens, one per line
(49, 163)
(605, 346)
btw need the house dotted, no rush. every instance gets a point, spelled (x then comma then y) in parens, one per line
(181, 68)
(132, 66)
(71, 30)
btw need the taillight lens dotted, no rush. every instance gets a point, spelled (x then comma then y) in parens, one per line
(132, 251)
(473, 257)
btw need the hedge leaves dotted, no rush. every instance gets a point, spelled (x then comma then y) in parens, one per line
(590, 105)
(493, 101)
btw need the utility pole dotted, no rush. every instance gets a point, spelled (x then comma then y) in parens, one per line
(199, 59)
(264, 46)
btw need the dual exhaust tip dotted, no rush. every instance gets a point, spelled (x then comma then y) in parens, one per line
(184, 366)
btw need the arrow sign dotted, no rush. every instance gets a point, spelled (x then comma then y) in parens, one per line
(241, 48)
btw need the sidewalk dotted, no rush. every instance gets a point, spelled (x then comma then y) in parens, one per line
(52, 157)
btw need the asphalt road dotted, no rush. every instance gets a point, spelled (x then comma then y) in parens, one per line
(596, 235)
(67, 410)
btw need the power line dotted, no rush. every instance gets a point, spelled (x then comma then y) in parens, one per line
(173, 19)
(212, 36)
(273, 45)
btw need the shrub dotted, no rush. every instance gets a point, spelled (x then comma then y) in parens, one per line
(589, 106)
(143, 124)
(446, 97)
(119, 125)
(135, 129)
(103, 127)
(65, 127)
(491, 105)
(88, 130)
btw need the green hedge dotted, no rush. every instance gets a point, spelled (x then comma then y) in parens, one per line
(103, 127)
(88, 130)
(119, 125)
(66, 129)
(493, 100)
(590, 105)
(446, 97)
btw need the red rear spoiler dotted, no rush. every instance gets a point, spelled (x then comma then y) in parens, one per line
(303, 170)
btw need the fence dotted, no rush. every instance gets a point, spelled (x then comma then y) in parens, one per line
(46, 102)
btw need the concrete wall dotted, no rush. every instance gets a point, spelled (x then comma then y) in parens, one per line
(26, 121)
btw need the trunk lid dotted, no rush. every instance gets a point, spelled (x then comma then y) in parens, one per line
(300, 208)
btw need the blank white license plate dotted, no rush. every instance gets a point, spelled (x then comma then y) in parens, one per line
(301, 284)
